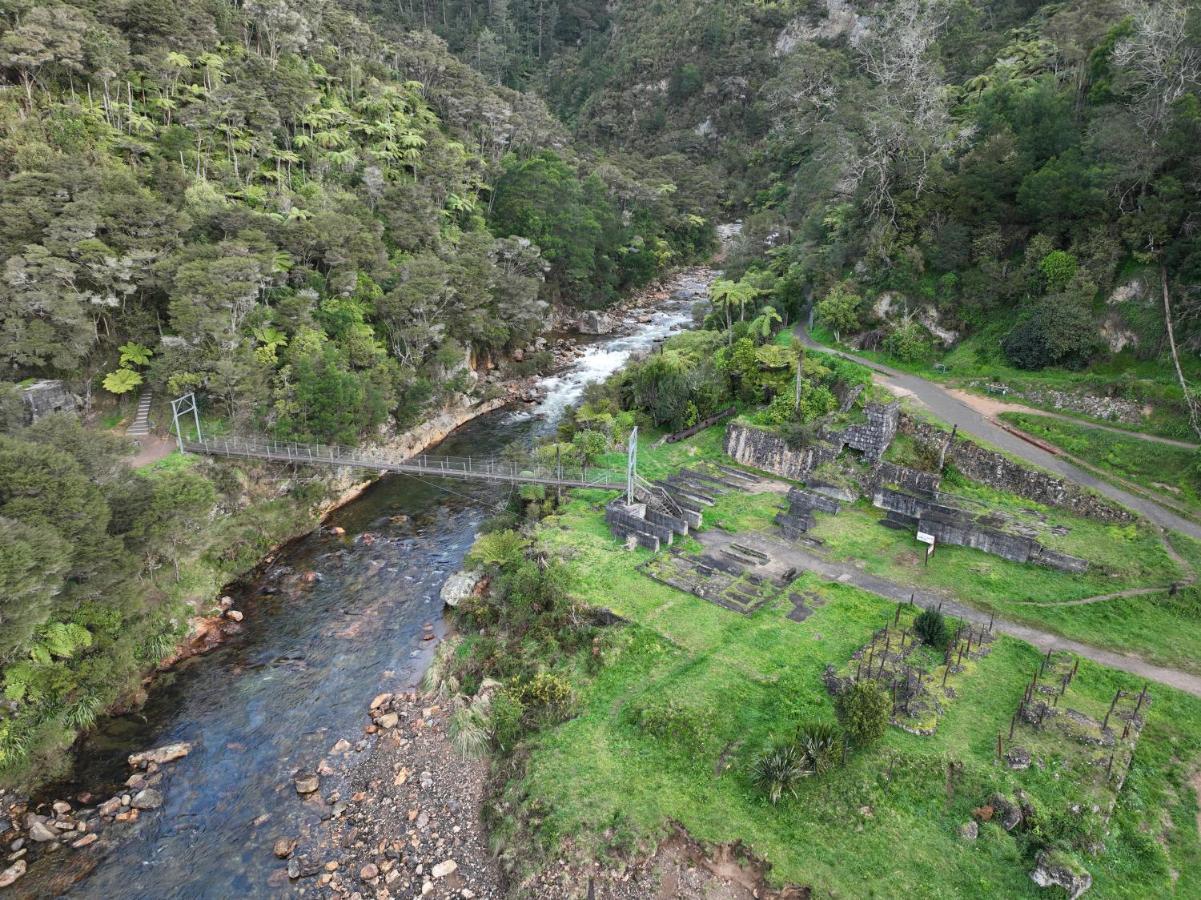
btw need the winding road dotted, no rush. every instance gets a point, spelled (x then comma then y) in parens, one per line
(943, 403)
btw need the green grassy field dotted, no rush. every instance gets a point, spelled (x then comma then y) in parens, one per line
(883, 826)
(1171, 471)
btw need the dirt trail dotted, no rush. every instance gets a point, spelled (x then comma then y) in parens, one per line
(1189, 578)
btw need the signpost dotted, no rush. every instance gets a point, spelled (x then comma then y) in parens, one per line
(929, 540)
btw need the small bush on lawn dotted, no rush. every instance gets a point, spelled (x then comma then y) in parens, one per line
(821, 746)
(864, 709)
(931, 627)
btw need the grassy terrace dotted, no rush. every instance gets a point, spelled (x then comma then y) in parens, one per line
(1166, 470)
(886, 824)
(978, 359)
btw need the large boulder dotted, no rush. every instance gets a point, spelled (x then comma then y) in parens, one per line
(1054, 868)
(459, 587)
(593, 322)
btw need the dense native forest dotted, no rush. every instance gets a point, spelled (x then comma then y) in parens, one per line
(321, 215)
(1016, 172)
(316, 224)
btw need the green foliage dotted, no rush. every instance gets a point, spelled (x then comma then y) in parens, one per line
(134, 354)
(778, 770)
(508, 715)
(864, 709)
(499, 548)
(1058, 268)
(122, 381)
(840, 310)
(1056, 331)
(931, 628)
(547, 696)
(908, 341)
(821, 746)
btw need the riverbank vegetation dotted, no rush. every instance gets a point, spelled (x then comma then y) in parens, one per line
(318, 222)
(102, 566)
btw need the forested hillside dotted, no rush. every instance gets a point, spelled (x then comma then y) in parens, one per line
(1014, 177)
(295, 204)
(317, 222)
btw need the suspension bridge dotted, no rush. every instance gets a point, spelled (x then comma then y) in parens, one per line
(553, 473)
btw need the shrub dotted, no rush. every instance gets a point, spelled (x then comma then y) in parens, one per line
(864, 709)
(778, 770)
(819, 745)
(507, 720)
(499, 548)
(468, 727)
(931, 627)
(547, 695)
(909, 341)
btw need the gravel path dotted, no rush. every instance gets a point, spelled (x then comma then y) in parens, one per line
(954, 411)
(788, 555)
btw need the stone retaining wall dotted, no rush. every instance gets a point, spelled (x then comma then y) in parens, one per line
(950, 525)
(770, 453)
(1001, 473)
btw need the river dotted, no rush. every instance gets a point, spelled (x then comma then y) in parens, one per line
(300, 673)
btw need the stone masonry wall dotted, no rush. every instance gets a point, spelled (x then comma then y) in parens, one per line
(770, 453)
(999, 472)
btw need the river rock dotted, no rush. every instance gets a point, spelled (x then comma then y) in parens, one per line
(593, 322)
(388, 720)
(41, 832)
(148, 798)
(233, 615)
(12, 873)
(369, 872)
(459, 587)
(62, 807)
(283, 847)
(443, 869)
(159, 755)
(110, 807)
(86, 840)
(342, 746)
(307, 783)
(380, 700)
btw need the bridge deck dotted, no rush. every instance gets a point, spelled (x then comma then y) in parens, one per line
(464, 467)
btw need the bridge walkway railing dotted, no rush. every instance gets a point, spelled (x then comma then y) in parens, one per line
(467, 467)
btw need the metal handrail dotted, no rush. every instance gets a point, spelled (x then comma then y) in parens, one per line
(490, 469)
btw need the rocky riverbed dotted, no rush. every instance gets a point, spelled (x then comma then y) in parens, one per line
(412, 827)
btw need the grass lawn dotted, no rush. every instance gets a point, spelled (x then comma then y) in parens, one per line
(885, 825)
(1161, 468)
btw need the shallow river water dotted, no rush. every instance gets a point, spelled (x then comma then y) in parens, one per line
(300, 673)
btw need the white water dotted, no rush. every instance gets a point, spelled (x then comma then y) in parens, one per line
(602, 359)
